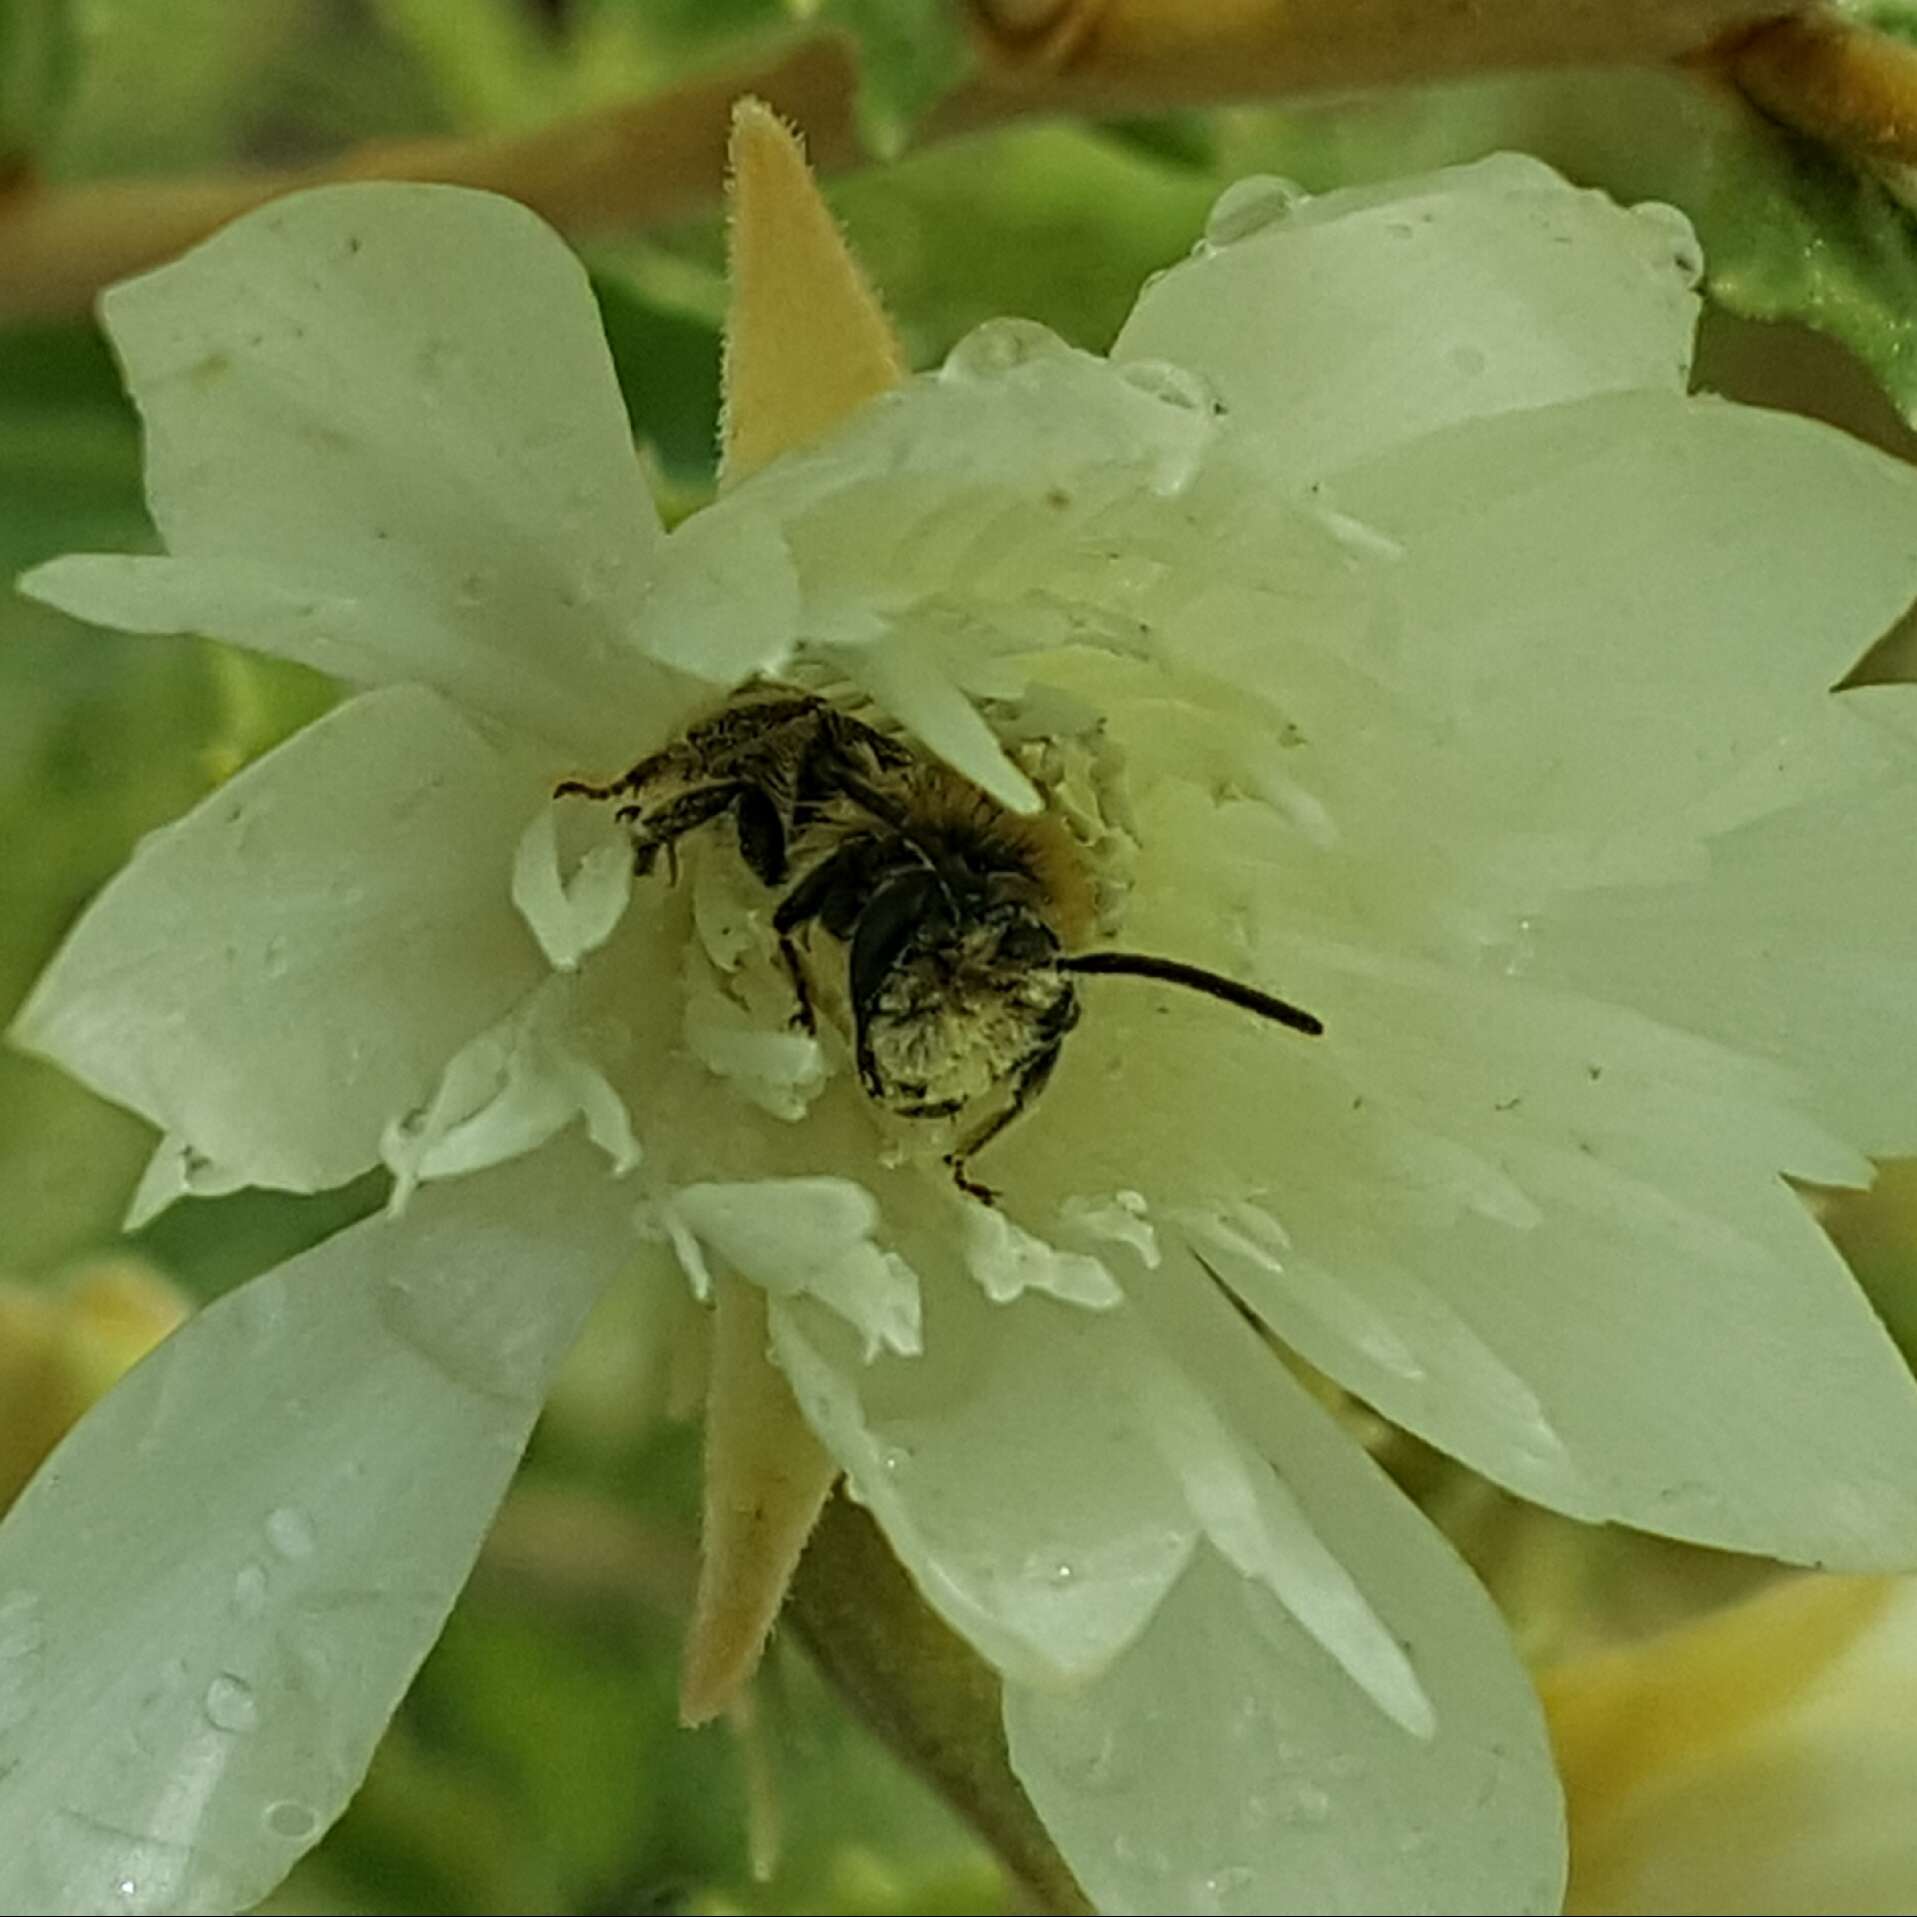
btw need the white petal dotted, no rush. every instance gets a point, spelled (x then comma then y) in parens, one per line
(1601, 1293)
(507, 1091)
(1661, 672)
(724, 601)
(1255, 1521)
(1226, 1763)
(571, 912)
(1549, 1234)
(220, 1586)
(1336, 326)
(779, 1072)
(1018, 1479)
(912, 685)
(281, 971)
(800, 1236)
(384, 437)
(1116, 1218)
(1007, 1260)
(1044, 1483)
(176, 1171)
(1800, 944)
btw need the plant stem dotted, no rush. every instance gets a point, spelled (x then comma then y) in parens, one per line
(1846, 85)
(642, 163)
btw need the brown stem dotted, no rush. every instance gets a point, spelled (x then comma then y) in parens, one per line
(1134, 55)
(923, 1689)
(1844, 84)
(637, 165)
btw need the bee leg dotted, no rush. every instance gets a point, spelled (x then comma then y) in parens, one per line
(969, 1186)
(803, 1017)
(1026, 1087)
(834, 890)
(762, 835)
(670, 823)
(580, 789)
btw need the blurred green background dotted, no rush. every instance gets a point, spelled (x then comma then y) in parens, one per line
(536, 1765)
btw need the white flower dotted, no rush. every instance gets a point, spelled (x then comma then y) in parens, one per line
(1394, 634)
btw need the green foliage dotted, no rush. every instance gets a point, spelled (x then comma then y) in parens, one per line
(911, 53)
(668, 367)
(102, 738)
(97, 740)
(203, 84)
(1898, 17)
(38, 55)
(1059, 224)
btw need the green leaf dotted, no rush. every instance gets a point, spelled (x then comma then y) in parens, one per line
(38, 55)
(668, 368)
(217, 1589)
(1887, 16)
(1056, 224)
(172, 85)
(100, 740)
(488, 60)
(911, 54)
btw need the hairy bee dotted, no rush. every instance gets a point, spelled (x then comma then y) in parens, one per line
(955, 914)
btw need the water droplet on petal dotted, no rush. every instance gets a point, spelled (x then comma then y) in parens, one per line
(293, 1821)
(1251, 205)
(249, 1590)
(998, 346)
(290, 1532)
(101, 1866)
(1311, 1805)
(230, 1704)
(1224, 1882)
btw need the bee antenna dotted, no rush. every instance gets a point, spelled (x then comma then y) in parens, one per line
(1196, 978)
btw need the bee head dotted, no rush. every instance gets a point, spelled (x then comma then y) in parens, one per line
(955, 989)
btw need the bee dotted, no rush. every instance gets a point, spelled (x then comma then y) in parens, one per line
(955, 914)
